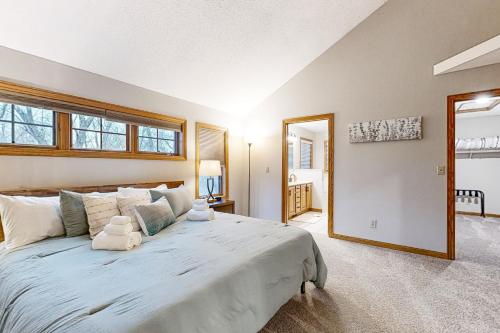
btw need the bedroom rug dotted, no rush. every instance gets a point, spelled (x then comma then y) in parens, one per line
(371, 289)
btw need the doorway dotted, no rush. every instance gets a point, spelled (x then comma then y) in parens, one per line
(473, 147)
(307, 172)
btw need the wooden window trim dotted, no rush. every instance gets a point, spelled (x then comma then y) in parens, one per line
(311, 164)
(62, 147)
(176, 140)
(199, 126)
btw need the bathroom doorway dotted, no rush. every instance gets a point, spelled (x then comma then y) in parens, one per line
(307, 173)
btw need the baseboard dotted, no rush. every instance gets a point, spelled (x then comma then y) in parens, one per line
(391, 246)
(477, 214)
(318, 210)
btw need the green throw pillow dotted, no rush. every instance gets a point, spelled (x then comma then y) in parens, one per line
(155, 216)
(73, 214)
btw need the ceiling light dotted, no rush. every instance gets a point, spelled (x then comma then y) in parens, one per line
(482, 100)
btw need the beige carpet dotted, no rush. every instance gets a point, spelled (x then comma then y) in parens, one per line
(376, 290)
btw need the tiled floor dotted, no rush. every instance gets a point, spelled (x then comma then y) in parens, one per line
(312, 222)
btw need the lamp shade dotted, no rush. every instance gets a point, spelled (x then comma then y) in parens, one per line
(210, 168)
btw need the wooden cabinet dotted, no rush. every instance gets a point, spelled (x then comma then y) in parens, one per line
(223, 206)
(309, 196)
(291, 201)
(299, 199)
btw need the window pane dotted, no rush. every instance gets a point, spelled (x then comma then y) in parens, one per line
(5, 111)
(166, 134)
(203, 185)
(30, 115)
(166, 146)
(148, 131)
(86, 122)
(113, 127)
(5, 132)
(147, 144)
(33, 135)
(114, 142)
(86, 140)
(305, 155)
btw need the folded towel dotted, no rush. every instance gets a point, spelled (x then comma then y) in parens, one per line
(201, 215)
(118, 230)
(103, 241)
(200, 207)
(199, 201)
(120, 220)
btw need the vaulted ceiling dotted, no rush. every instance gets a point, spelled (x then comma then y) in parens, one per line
(229, 55)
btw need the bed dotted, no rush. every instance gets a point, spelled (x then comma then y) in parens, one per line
(227, 275)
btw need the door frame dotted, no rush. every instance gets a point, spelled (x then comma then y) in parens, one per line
(284, 164)
(450, 206)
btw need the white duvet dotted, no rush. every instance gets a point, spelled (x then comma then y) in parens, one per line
(227, 275)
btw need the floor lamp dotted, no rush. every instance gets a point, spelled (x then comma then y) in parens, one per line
(249, 149)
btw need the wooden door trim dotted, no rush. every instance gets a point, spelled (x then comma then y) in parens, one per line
(450, 205)
(284, 164)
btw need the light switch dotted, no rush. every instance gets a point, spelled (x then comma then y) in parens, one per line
(440, 170)
(267, 169)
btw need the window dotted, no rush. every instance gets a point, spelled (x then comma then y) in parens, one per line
(157, 140)
(96, 133)
(211, 144)
(290, 156)
(218, 181)
(26, 125)
(306, 151)
(36, 122)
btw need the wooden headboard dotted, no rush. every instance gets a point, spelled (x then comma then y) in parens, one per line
(54, 191)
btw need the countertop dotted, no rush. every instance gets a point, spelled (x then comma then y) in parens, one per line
(299, 183)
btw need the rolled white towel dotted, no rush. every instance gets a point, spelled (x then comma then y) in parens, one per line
(201, 215)
(118, 230)
(103, 241)
(120, 220)
(136, 238)
(200, 207)
(200, 204)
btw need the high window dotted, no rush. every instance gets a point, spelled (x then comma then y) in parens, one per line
(43, 123)
(26, 125)
(157, 140)
(95, 133)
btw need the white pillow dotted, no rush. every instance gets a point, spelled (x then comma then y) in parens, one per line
(100, 209)
(132, 191)
(126, 205)
(26, 220)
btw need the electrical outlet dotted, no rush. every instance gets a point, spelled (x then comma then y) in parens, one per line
(267, 169)
(373, 224)
(440, 170)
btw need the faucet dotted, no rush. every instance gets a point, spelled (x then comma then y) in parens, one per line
(292, 178)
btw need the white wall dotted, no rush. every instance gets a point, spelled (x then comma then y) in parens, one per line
(382, 69)
(478, 173)
(19, 172)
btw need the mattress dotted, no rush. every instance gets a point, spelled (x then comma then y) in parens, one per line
(227, 275)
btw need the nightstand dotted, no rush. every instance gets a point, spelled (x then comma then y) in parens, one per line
(223, 206)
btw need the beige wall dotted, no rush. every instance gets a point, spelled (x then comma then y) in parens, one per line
(380, 70)
(19, 172)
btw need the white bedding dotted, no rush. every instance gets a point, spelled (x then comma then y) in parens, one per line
(227, 275)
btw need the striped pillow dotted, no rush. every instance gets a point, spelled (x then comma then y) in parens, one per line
(100, 209)
(126, 205)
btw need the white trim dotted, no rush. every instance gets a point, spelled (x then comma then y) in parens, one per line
(477, 56)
